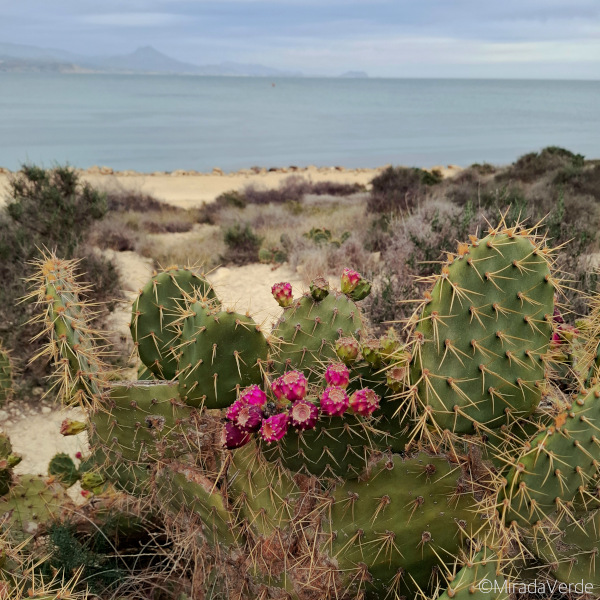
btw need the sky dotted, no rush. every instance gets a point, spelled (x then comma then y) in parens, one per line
(386, 38)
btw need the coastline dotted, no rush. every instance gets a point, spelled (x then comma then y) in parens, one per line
(191, 189)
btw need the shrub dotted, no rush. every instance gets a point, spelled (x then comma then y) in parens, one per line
(533, 165)
(242, 244)
(399, 188)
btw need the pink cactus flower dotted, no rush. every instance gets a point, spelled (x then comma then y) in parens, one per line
(291, 386)
(334, 401)
(364, 402)
(233, 437)
(78, 455)
(234, 410)
(253, 395)
(249, 418)
(337, 375)
(350, 279)
(275, 427)
(282, 292)
(304, 415)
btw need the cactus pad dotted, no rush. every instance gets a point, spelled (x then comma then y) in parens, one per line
(481, 339)
(221, 352)
(155, 311)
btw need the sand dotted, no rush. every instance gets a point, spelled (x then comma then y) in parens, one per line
(189, 189)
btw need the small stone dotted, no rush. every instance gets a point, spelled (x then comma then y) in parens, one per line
(3, 415)
(46, 410)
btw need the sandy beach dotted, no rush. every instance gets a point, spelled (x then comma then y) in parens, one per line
(189, 189)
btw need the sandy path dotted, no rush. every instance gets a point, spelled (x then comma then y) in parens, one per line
(189, 189)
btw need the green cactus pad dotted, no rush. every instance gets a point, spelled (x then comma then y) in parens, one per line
(6, 376)
(181, 487)
(392, 530)
(572, 552)
(479, 579)
(221, 352)
(32, 504)
(481, 339)
(338, 448)
(64, 469)
(558, 467)
(308, 329)
(261, 494)
(155, 312)
(140, 422)
(72, 339)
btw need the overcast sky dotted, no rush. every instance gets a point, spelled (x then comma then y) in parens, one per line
(386, 38)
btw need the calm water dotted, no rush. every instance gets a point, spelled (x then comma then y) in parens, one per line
(164, 123)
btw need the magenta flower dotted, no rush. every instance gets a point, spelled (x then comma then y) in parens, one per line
(364, 402)
(282, 292)
(337, 375)
(253, 395)
(275, 427)
(350, 279)
(234, 410)
(249, 418)
(233, 437)
(334, 401)
(291, 386)
(304, 415)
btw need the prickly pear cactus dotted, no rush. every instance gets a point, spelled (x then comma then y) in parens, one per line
(6, 376)
(558, 467)
(481, 339)
(155, 313)
(31, 504)
(393, 530)
(8, 460)
(220, 353)
(64, 469)
(480, 578)
(308, 330)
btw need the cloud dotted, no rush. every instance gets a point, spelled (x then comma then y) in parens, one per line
(131, 19)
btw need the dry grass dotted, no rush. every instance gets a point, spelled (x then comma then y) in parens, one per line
(203, 245)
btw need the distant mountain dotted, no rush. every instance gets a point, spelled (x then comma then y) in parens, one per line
(354, 75)
(17, 57)
(145, 60)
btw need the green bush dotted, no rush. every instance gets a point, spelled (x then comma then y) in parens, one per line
(400, 188)
(242, 244)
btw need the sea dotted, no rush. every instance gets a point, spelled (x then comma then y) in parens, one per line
(162, 123)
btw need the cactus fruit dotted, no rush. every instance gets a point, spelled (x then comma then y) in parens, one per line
(221, 352)
(6, 376)
(64, 469)
(282, 292)
(394, 529)
(483, 333)
(155, 312)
